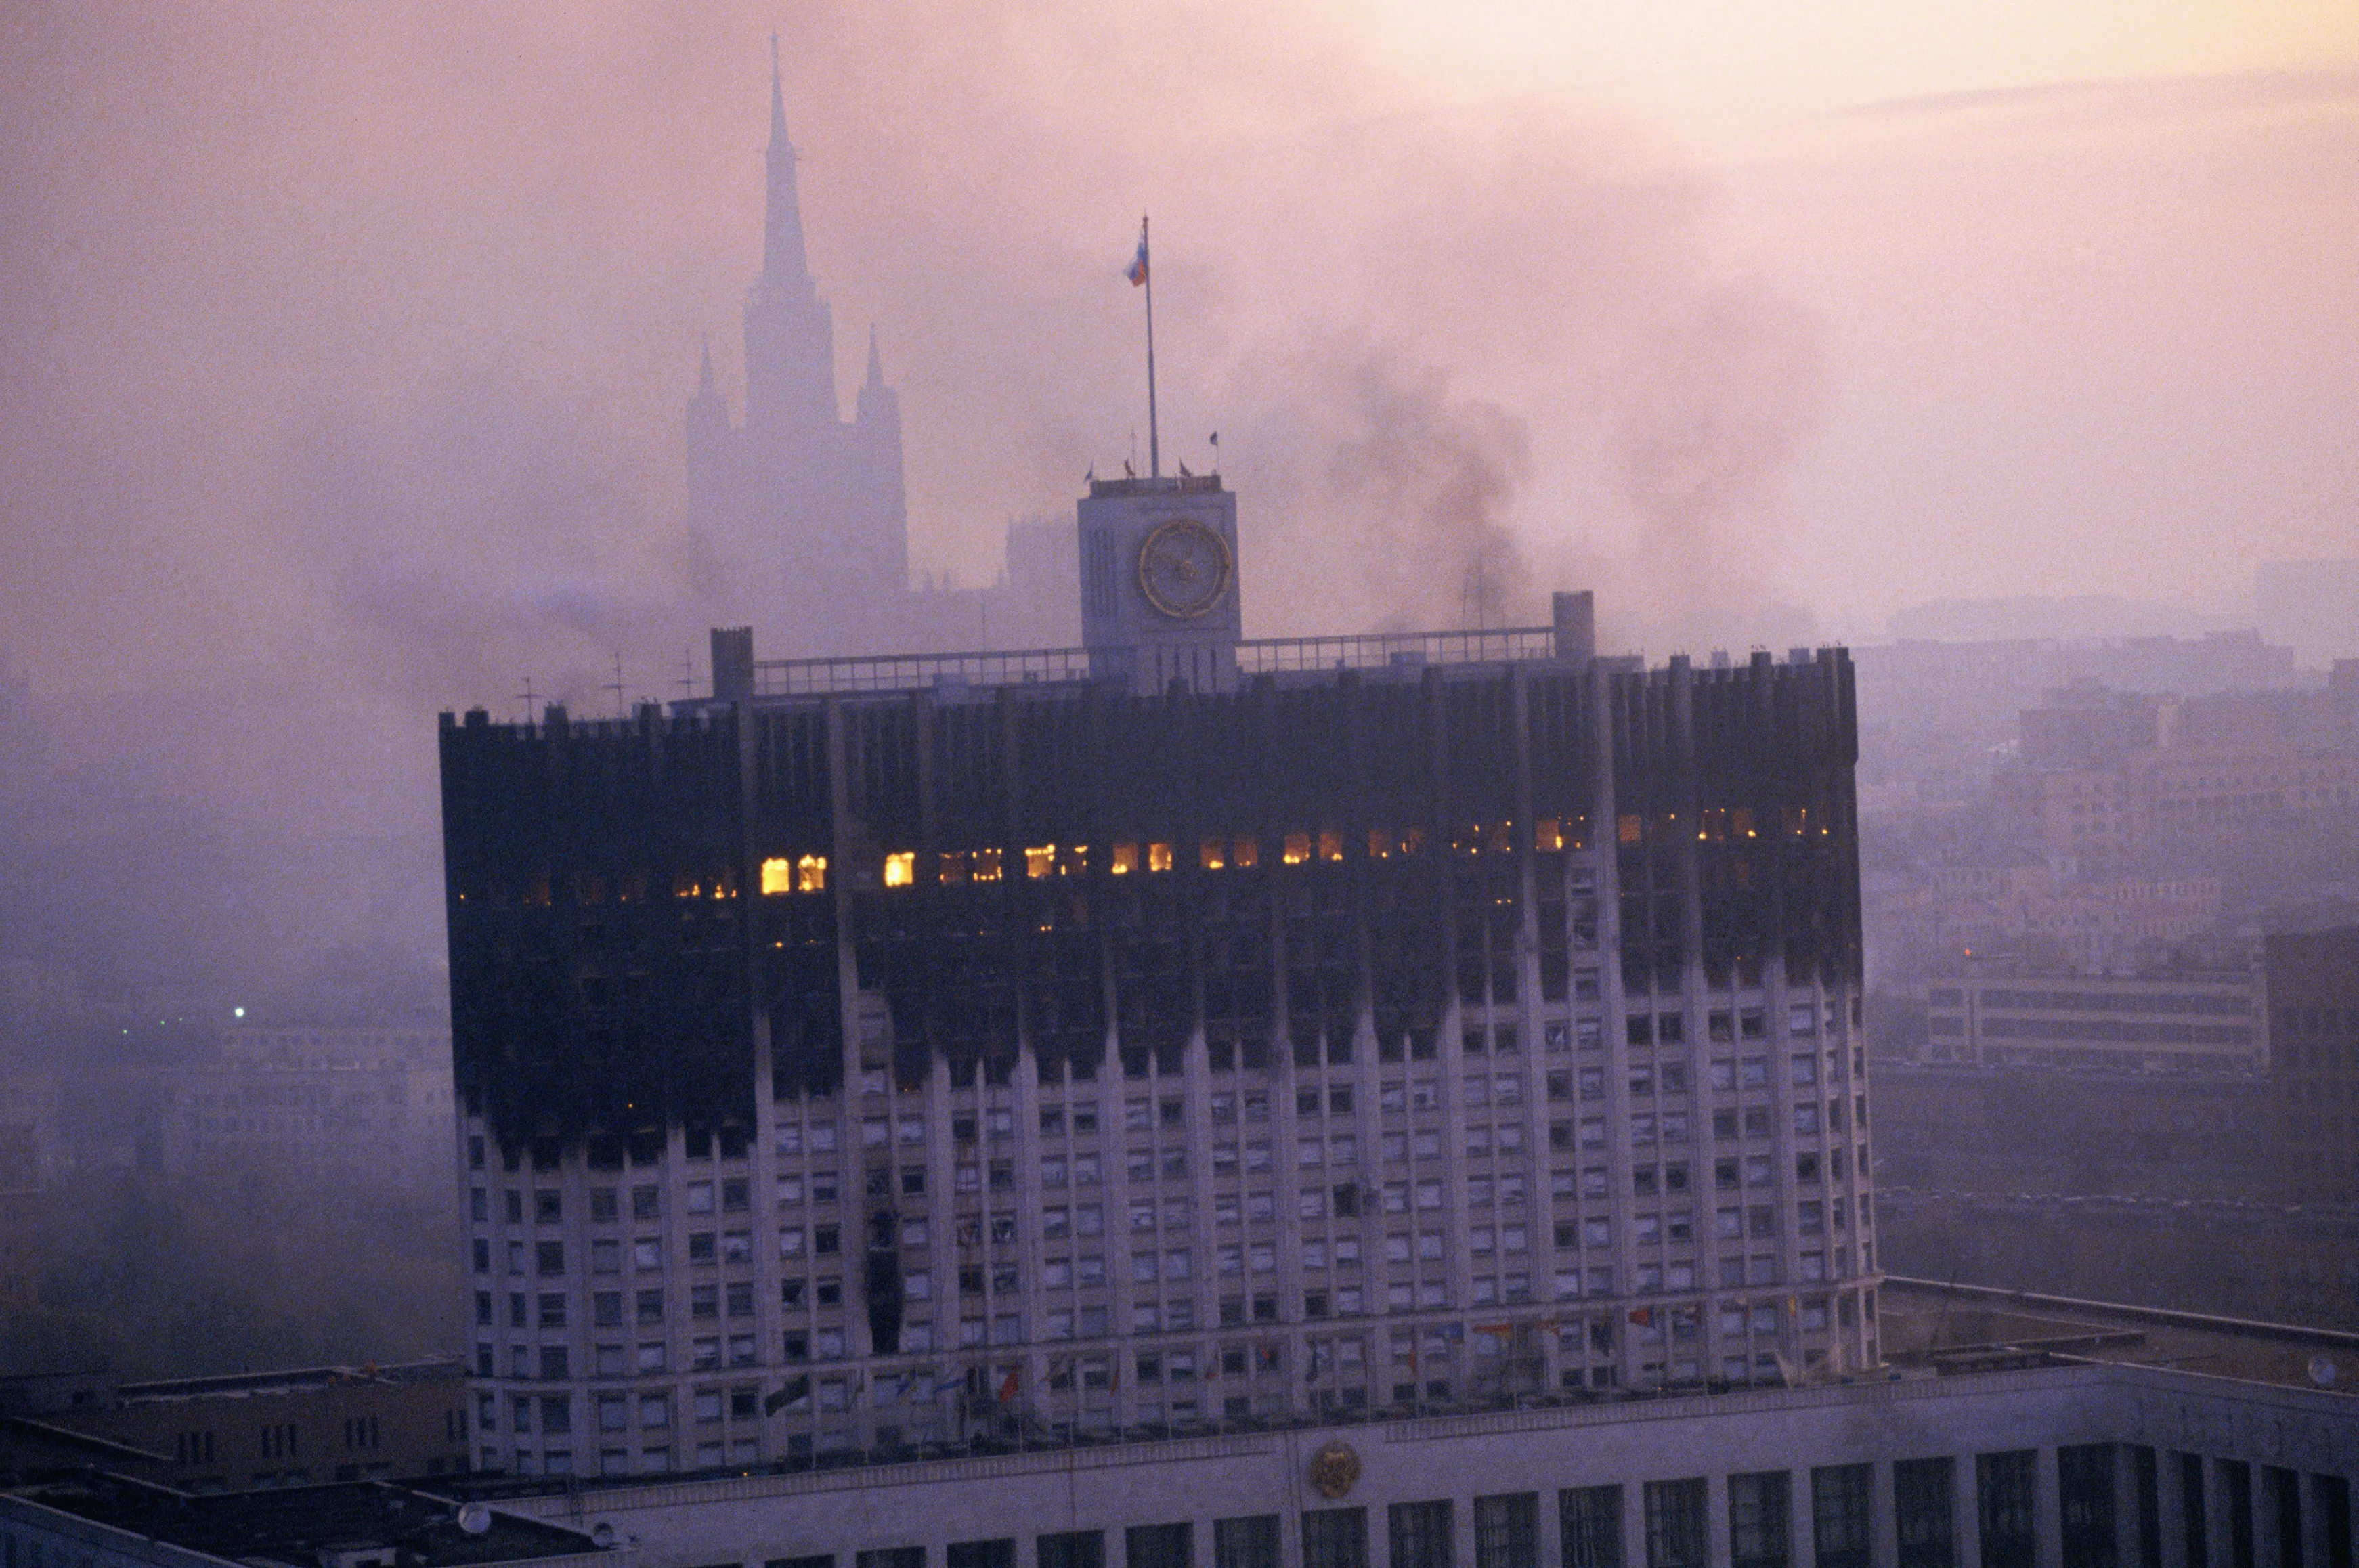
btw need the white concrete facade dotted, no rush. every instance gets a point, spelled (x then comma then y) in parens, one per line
(1545, 1203)
(2135, 1432)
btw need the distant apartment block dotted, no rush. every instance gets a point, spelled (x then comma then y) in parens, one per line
(2313, 998)
(370, 1103)
(2086, 923)
(2003, 1016)
(2102, 772)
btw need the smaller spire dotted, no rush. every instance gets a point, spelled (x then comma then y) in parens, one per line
(778, 98)
(876, 404)
(704, 384)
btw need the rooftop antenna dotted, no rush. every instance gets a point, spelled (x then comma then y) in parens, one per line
(526, 698)
(615, 686)
(687, 681)
(1141, 278)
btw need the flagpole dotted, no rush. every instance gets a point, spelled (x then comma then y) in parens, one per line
(1154, 448)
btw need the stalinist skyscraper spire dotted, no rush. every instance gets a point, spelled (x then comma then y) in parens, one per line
(789, 332)
(799, 510)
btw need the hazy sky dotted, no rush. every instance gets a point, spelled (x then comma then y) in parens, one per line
(350, 343)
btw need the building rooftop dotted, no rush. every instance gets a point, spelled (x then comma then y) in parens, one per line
(1956, 1329)
(1404, 654)
(369, 1524)
(235, 1384)
(32, 1450)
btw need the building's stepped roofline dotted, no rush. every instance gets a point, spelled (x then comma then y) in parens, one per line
(364, 1524)
(2126, 1313)
(1258, 656)
(289, 1379)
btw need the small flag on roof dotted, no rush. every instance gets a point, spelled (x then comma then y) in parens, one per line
(1137, 273)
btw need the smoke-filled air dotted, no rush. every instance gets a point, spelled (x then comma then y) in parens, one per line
(344, 353)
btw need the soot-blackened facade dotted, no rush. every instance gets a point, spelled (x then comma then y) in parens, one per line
(1301, 867)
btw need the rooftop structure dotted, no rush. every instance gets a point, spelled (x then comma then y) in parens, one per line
(290, 1428)
(114, 1521)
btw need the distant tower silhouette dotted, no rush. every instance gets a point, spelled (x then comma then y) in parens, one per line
(800, 515)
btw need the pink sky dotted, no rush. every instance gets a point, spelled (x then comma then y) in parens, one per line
(1787, 310)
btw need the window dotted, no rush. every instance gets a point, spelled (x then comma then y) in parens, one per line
(1420, 1534)
(1921, 1493)
(1675, 1524)
(1074, 1548)
(1335, 1538)
(1507, 1531)
(2003, 1483)
(2084, 1476)
(1249, 1542)
(1839, 1515)
(1591, 1519)
(891, 1557)
(1158, 1546)
(1760, 1512)
(1000, 1553)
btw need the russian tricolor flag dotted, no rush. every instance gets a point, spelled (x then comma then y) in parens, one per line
(1137, 273)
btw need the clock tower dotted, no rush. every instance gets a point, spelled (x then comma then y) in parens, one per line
(1158, 560)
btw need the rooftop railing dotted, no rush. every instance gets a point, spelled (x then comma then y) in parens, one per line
(1260, 655)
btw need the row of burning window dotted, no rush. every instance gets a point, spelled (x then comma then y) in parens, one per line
(807, 873)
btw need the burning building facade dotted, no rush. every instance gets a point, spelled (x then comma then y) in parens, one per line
(884, 1052)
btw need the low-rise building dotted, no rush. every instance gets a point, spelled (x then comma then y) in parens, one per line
(2313, 997)
(293, 1428)
(2008, 1015)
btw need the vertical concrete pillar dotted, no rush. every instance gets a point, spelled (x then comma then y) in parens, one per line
(2218, 1524)
(1801, 1533)
(2127, 1553)
(1883, 1519)
(1716, 1546)
(2170, 1510)
(2047, 1510)
(2266, 1546)
(1633, 1524)
(1968, 1512)
(2314, 1544)
(1548, 1532)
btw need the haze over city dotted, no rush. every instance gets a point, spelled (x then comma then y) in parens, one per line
(346, 350)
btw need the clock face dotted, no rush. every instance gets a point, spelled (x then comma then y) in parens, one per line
(1183, 569)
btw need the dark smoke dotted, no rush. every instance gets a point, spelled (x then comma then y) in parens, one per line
(1400, 483)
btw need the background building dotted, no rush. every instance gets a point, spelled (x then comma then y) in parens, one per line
(337, 1105)
(800, 515)
(889, 1051)
(2001, 1014)
(2313, 999)
(296, 1428)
